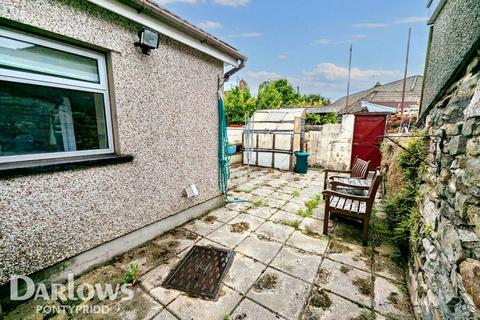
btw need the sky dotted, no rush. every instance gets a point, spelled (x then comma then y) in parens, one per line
(307, 41)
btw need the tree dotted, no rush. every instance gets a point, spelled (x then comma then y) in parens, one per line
(315, 100)
(290, 97)
(268, 96)
(277, 93)
(238, 102)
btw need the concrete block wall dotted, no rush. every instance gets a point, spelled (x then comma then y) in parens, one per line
(331, 146)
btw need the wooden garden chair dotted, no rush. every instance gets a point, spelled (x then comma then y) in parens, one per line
(359, 171)
(352, 206)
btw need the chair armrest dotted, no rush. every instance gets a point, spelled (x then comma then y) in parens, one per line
(338, 171)
(348, 185)
(331, 193)
(330, 177)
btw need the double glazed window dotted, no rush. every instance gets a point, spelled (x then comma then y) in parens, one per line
(53, 99)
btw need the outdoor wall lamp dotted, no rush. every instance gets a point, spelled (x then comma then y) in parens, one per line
(149, 40)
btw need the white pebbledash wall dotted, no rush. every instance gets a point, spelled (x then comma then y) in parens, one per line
(331, 147)
(48, 218)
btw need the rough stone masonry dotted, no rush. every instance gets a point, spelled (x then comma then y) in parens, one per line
(445, 263)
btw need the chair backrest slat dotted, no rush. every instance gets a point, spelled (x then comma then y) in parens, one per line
(360, 168)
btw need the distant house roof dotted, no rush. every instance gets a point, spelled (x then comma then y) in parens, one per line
(372, 107)
(389, 94)
(322, 110)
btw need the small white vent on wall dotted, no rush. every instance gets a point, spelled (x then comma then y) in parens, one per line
(191, 191)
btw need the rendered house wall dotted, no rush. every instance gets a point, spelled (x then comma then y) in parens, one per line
(50, 217)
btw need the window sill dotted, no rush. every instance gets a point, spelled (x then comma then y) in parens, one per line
(24, 168)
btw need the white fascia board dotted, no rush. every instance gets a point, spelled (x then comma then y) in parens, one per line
(154, 24)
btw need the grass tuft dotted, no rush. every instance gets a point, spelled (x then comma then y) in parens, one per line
(291, 223)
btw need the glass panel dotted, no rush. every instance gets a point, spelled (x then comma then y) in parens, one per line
(40, 119)
(25, 56)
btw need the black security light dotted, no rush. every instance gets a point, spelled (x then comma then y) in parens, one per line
(149, 40)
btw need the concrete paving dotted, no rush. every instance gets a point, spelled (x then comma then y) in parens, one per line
(284, 268)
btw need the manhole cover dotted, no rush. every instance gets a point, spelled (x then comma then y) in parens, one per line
(201, 271)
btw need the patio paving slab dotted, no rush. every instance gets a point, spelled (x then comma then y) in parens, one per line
(345, 281)
(353, 255)
(276, 202)
(392, 299)
(311, 225)
(262, 212)
(294, 207)
(280, 216)
(164, 315)
(177, 240)
(226, 237)
(323, 305)
(319, 212)
(275, 231)
(284, 294)
(187, 308)
(260, 249)
(297, 263)
(239, 206)
(280, 196)
(243, 273)
(142, 307)
(201, 227)
(223, 214)
(263, 192)
(249, 310)
(253, 222)
(307, 243)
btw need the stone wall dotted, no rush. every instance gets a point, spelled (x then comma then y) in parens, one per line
(445, 263)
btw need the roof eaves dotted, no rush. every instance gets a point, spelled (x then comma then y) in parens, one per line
(146, 12)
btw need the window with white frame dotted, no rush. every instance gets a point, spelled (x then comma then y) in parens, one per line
(53, 99)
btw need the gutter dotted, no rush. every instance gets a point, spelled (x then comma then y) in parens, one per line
(234, 70)
(158, 19)
(437, 11)
(178, 23)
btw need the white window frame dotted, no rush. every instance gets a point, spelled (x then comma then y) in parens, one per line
(59, 82)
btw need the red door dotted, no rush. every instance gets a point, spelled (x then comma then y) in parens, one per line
(367, 137)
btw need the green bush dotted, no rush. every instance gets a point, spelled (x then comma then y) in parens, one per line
(401, 206)
(319, 119)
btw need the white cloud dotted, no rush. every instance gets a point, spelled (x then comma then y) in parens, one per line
(332, 72)
(263, 75)
(324, 41)
(370, 25)
(409, 20)
(246, 35)
(165, 2)
(358, 36)
(232, 3)
(282, 56)
(210, 25)
(353, 38)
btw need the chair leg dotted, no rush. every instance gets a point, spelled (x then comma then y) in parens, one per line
(325, 220)
(365, 232)
(325, 180)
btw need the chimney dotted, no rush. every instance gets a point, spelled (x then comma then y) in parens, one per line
(378, 84)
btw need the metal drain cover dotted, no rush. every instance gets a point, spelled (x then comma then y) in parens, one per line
(201, 271)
